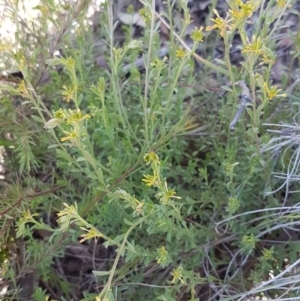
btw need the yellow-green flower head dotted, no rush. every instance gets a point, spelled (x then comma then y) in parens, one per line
(272, 92)
(151, 158)
(59, 114)
(197, 35)
(150, 180)
(91, 233)
(255, 47)
(139, 209)
(59, 117)
(177, 275)
(281, 3)
(162, 256)
(181, 53)
(243, 10)
(70, 136)
(220, 23)
(76, 116)
(69, 93)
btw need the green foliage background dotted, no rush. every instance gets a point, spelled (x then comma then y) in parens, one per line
(219, 235)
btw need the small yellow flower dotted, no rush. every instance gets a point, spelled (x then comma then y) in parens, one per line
(254, 48)
(59, 117)
(151, 158)
(76, 116)
(268, 254)
(229, 167)
(243, 10)
(180, 53)
(69, 63)
(158, 63)
(150, 180)
(165, 196)
(197, 35)
(171, 194)
(220, 23)
(145, 15)
(69, 210)
(162, 256)
(139, 209)
(59, 114)
(267, 57)
(23, 90)
(69, 93)
(91, 233)
(71, 136)
(177, 275)
(281, 3)
(27, 216)
(272, 92)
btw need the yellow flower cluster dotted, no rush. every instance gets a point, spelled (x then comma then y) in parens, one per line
(272, 92)
(71, 117)
(222, 24)
(238, 13)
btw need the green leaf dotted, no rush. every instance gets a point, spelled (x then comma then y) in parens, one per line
(54, 62)
(5, 142)
(53, 146)
(108, 243)
(131, 247)
(79, 99)
(80, 159)
(37, 118)
(92, 176)
(127, 222)
(100, 175)
(220, 61)
(226, 88)
(119, 238)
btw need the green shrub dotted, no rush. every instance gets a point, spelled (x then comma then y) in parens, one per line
(127, 183)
